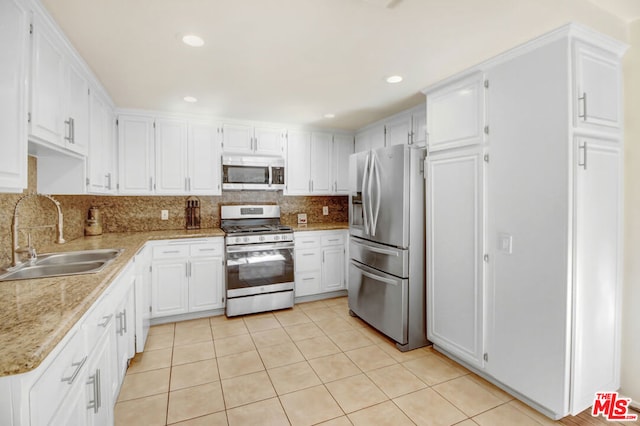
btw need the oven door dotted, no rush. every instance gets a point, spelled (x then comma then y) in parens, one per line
(259, 268)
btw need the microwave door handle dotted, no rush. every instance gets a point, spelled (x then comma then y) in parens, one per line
(270, 176)
(365, 175)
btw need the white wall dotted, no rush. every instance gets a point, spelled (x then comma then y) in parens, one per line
(631, 305)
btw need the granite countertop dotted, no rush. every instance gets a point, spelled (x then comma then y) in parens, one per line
(320, 226)
(36, 314)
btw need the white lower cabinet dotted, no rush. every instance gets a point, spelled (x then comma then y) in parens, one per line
(187, 276)
(320, 262)
(78, 382)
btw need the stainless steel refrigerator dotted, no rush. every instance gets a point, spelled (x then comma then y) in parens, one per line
(387, 242)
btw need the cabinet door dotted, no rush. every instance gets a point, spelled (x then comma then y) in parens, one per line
(598, 80)
(398, 131)
(77, 110)
(377, 137)
(204, 160)
(47, 86)
(73, 411)
(308, 283)
(169, 288)
(454, 254)
(320, 162)
(98, 387)
(362, 141)
(100, 155)
(419, 127)
(143, 297)
(205, 283)
(342, 148)
(135, 151)
(171, 157)
(298, 175)
(268, 141)
(125, 330)
(14, 45)
(455, 114)
(597, 279)
(333, 269)
(237, 138)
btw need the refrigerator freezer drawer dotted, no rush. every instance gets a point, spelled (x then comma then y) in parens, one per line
(380, 300)
(388, 259)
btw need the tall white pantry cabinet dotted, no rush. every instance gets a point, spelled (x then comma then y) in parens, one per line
(524, 218)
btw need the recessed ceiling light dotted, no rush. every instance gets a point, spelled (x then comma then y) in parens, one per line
(190, 99)
(192, 40)
(329, 116)
(394, 79)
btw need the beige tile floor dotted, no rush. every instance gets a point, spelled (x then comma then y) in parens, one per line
(313, 364)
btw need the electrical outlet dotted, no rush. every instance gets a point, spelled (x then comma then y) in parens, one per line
(164, 214)
(325, 210)
(302, 219)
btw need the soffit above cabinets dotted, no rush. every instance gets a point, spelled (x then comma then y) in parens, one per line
(294, 61)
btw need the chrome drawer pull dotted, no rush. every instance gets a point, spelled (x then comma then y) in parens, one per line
(308, 254)
(107, 319)
(78, 366)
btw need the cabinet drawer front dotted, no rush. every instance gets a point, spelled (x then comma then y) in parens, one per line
(170, 251)
(98, 321)
(57, 380)
(332, 240)
(307, 241)
(307, 283)
(308, 260)
(208, 249)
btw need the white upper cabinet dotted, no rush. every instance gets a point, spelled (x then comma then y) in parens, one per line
(14, 45)
(59, 92)
(398, 130)
(101, 158)
(597, 81)
(455, 114)
(419, 127)
(204, 160)
(371, 138)
(320, 163)
(342, 149)
(244, 139)
(171, 157)
(136, 155)
(47, 82)
(77, 107)
(298, 175)
(317, 163)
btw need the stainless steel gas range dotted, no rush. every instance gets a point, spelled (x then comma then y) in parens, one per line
(259, 259)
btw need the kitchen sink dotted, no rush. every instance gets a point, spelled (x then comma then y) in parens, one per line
(65, 263)
(66, 258)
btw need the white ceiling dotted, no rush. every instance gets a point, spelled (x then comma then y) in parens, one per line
(292, 61)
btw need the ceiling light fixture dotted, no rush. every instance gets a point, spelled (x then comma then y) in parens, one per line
(394, 79)
(190, 99)
(329, 115)
(192, 40)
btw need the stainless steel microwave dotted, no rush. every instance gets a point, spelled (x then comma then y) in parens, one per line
(252, 173)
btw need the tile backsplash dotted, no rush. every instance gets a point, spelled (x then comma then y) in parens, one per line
(142, 213)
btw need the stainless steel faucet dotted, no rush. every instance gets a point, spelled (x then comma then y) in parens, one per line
(15, 260)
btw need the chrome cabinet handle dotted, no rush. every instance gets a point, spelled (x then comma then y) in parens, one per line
(68, 123)
(150, 184)
(94, 404)
(584, 106)
(170, 251)
(186, 185)
(308, 279)
(107, 319)
(308, 254)
(583, 148)
(124, 321)
(73, 376)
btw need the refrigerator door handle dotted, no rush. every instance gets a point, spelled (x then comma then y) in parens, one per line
(376, 249)
(365, 175)
(375, 277)
(375, 172)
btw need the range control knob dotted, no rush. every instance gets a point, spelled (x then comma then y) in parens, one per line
(261, 238)
(245, 239)
(238, 240)
(276, 237)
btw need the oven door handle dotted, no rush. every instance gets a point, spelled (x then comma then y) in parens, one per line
(259, 247)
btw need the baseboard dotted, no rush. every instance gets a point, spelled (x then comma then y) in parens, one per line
(186, 317)
(321, 296)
